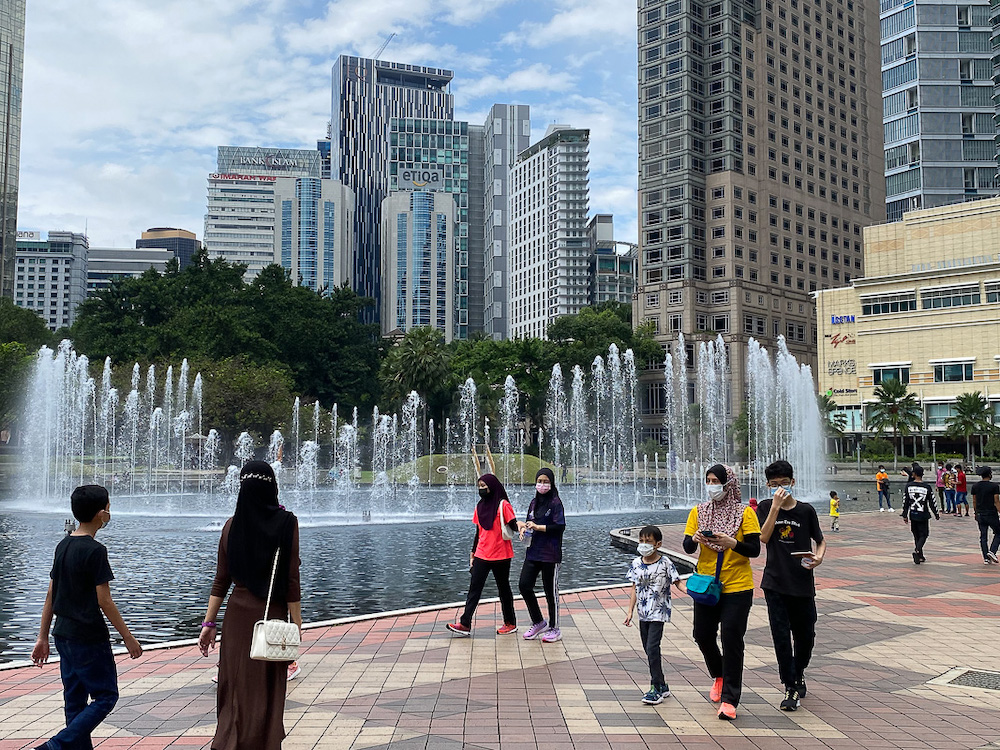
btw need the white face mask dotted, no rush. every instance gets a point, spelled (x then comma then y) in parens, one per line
(715, 491)
(645, 549)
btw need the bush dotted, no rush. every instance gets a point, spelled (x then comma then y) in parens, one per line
(876, 449)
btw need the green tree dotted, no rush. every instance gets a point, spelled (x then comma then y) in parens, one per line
(739, 431)
(419, 362)
(15, 366)
(834, 420)
(972, 416)
(23, 326)
(896, 410)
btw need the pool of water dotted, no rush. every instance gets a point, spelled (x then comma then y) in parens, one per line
(164, 565)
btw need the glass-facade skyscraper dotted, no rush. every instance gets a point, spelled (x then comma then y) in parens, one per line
(11, 75)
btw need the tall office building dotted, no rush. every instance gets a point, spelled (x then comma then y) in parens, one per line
(11, 74)
(51, 275)
(366, 95)
(108, 264)
(549, 249)
(182, 243)
(760, 160)
(418, 237)
(937, 104)
(507, 133)
(239, 225)
(314, 231)
(612, 272)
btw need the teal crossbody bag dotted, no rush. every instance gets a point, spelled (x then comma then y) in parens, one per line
(706, 589)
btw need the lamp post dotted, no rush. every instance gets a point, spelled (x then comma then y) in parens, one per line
(934, 451)
(857, 450)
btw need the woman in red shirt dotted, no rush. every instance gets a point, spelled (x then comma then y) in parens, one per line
(961, 491)
(490, 553)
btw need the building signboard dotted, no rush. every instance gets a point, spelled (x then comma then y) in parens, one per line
(29, 236)
(426, 179)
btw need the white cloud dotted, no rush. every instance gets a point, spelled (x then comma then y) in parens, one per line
(536, 77)
(609, 22)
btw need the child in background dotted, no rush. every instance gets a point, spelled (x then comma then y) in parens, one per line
(651, 574)
(834, 511)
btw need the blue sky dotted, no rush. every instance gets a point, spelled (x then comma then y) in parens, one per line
(125, 101)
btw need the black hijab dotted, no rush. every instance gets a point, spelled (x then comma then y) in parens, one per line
(542, 501)
(259, 527)
(489, 506)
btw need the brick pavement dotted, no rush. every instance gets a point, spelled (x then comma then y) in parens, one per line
(887, 628)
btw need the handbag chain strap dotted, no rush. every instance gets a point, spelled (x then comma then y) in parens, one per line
(718, 566)
(270, 587)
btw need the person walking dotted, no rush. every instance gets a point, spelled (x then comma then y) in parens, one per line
(918, 504)
(789, 528)
(724, 528)
(961, 491)
(834, 511)
(251, 694)
(545, 522)
(882, 485)
(939, 483)
(986, 506)
(949, 489)
(491, 553)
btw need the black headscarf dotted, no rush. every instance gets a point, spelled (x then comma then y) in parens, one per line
(542, 501)
(489, 506)
(259, 527)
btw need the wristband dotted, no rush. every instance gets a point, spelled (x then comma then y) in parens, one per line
(207, 624)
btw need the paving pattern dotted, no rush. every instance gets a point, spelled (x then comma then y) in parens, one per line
(890, 636)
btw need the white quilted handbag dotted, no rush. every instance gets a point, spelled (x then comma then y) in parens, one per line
(274, 640)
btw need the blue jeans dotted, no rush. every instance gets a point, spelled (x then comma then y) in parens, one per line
(87, 671)
(884, 493)
(949, 501)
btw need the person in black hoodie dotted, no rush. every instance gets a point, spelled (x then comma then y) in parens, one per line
(918, 504)
(545, 522)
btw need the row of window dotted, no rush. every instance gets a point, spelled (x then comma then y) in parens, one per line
(959, 372)
(930, 298)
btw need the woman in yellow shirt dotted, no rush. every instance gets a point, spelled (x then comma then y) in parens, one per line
(724, 526)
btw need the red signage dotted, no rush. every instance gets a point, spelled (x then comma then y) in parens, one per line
(246, 177)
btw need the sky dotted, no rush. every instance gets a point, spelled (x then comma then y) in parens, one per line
(126, 101)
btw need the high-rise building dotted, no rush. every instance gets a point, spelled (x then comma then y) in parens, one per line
(367, 95)
(436, 156)
(612, 273)
(51, 275)
(314, 231)
(507, 134)
(108, 264)
(937, 104)
(549, 248)
(182, 243)
(760, 160)
(239, 224)
(418, 237)
(11, 75)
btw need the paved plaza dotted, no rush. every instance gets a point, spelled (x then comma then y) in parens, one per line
(890, 637)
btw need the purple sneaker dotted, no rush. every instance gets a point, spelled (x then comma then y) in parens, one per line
(552, 635)
(535, 630)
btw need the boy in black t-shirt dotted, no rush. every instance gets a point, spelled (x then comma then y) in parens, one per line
(918, 504)
(78, 594)
(986, 506)
(789, 528)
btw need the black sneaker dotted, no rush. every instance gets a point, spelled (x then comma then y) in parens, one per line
(992, 557)
(791, 701)
(916, 558)
(800, 687)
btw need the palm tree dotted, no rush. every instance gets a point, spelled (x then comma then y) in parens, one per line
(834, 421)
(895, 409)
(419, 362)
(972, 416)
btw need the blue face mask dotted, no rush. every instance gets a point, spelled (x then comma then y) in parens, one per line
(773, 490)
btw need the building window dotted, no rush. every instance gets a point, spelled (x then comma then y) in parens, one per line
(653, 300)
(675, 322)
(675, 297)
(881, 374)
(883, 304)
(938, 415)
(957, 296)
(953, 373)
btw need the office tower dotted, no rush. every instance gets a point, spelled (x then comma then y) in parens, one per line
(366, 96)
(108, 264)
(11, 74)
(239, 225)
(417, 240)
(760, 160)
(314, 231)
(507, 134)
(937, 104)
(549, 249)
(51, 275)
(437, 156)
(612, 273)
(182, 243)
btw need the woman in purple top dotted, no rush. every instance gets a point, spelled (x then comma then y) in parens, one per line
(545, 523)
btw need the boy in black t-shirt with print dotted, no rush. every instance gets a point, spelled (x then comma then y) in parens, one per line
(789, 528)
(78, 594)
(986, 505)
(918, 504)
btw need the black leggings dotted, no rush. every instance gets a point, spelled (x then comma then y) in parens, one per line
(501, 574)
(793, 630)
(731, 613)
(550, 582)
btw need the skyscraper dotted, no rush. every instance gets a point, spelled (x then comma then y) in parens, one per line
(507, 134)
(182, 243)
(937, 104)
(366, 95)
(549, 246)
(612, 273)
(11, 74)
(52, 275)
(760, 160)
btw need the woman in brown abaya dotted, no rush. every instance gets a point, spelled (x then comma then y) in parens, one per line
(251, 695)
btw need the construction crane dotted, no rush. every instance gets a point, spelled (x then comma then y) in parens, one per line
(384, 44)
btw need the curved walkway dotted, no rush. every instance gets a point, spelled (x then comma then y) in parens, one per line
(890, 636)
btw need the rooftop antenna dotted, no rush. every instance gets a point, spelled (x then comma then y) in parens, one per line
(382, 47)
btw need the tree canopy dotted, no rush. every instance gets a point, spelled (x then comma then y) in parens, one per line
(23, 326)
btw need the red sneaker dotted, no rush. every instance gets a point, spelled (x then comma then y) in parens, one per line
(716, 692)
(727, 712)
(458, 628)
(507, 629)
